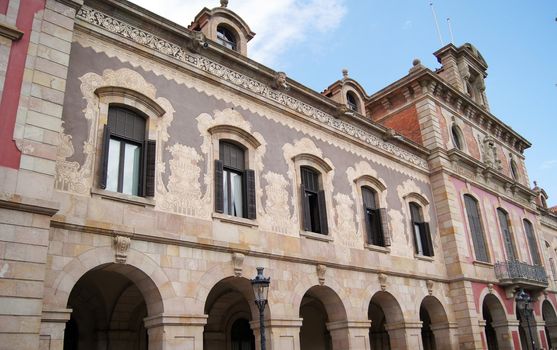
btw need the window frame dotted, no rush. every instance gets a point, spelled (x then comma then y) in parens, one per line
(314, 212)
(457, 138)
(151, 111)
(325, 171)
(475, 236)
(251, 145)
(352, 105)
(227, 42)
(420, 228)
(123, 140)
(531, 239)
(510, 240)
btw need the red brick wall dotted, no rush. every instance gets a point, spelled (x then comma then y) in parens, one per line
(405, 123)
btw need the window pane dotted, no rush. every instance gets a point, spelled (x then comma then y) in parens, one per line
(225, 179)
(131, 169)
(236, 194)
(113, 165)
(418, 235)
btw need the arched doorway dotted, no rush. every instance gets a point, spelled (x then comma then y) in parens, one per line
(108, 306)
(383, 310)
(428, 339)
(231, 310)
(436, 333)
(496, 330)
(319, 308)
(550, 318)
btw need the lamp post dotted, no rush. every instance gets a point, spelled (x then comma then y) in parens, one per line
(260, 286)
(523, 303)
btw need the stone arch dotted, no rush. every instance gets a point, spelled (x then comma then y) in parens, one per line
(325, 319)
(550, 319)
(386, 317)
(139, 268)
(109, 304)
(231, 300)
(436, 332)
(497, 334)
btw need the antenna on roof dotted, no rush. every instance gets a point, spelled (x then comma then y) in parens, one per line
(436, 23)
(450, 29)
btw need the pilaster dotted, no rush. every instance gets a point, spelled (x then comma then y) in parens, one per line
(405, 335)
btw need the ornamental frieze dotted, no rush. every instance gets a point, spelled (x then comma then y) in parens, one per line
(151, 41)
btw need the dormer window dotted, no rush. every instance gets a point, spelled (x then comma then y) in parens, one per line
(226, 38)
(351, 101)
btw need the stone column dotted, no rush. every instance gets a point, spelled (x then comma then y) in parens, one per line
(540, 334)
(405, 335)
(281, 333)
(53, 324)
(552, 330)
(446, 335)
(173, 332)
(503, 331)
(533, 329)
(355, 332)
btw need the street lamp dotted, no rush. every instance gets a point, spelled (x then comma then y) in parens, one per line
(260, 286)
(523, 304)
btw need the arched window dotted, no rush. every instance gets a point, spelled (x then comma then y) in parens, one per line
(352, 101)
(234, 184)
(128, 160)
(529, 229)
(422, 236)
(375, 218)
(476, 228)
(457, 137)
(514, 170)
(314, 211)
(507, 235)
(226, 38)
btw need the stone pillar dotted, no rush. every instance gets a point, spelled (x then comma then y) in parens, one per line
(339, 335)
(173, 332)
(552, 330)
(355, 332)
(282, 333)
(53, 324)
(503, 331)
(540, 334)
(446, 335)
(405, 335)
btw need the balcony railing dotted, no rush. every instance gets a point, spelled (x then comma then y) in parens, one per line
(516, 272)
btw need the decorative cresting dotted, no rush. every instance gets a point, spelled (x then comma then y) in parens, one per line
(78, 178)
(238, 263)
(179, 53)
(229, 123)
(306, 149)
(321, 270)
(121, 247)
(361, 174)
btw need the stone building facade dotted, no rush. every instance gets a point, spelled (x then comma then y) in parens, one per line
(147, 169)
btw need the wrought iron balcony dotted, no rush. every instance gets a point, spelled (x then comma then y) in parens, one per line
(514, 272)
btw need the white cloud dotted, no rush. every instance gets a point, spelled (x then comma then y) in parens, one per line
(407, 25)
(278, 24)
(549, 164)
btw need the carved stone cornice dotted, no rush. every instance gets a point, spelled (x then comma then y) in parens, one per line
(29, 205)
(219, 71)
(427, 82)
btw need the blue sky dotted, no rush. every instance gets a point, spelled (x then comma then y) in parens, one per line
(313, 40)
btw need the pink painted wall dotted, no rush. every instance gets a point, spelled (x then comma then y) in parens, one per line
(492, 232)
